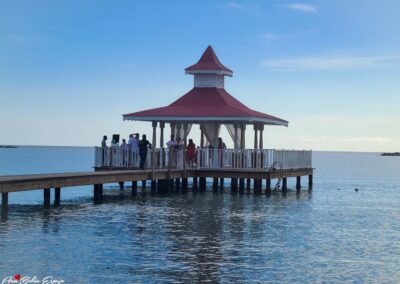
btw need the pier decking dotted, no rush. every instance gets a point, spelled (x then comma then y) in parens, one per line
(253, 165)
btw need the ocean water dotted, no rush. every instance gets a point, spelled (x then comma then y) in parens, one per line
(332, 234)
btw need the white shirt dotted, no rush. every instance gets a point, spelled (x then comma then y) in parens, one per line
(171, 144)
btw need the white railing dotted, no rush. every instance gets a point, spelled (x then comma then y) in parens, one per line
(205, 158)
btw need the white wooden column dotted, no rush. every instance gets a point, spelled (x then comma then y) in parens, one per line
(236, 136)
(261, 144)
(201, 136)
(255, 136)
(162, 126)
(172, 124)
(243, 136)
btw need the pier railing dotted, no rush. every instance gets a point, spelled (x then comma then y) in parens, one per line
(205, 158)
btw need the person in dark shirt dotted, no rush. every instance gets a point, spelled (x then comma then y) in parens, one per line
(143, 146)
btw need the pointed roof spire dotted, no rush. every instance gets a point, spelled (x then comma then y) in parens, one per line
(209, 62)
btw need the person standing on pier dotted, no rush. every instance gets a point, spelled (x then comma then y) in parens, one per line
(179, 153)
(133, 145)
(171, 147)
(190, 152)
(143, 146)
(104, 141)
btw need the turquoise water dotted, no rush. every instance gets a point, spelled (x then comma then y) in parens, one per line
(332, 234)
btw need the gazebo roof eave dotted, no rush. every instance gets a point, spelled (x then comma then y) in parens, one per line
(246, 119)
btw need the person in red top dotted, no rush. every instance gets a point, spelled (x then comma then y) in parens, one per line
(190, 152)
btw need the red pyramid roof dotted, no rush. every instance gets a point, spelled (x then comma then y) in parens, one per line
(209, 61)
(201, 104)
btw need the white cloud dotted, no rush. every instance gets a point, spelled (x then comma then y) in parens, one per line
(283, 36)
(331, 62)
(234, 5)
(303, 7)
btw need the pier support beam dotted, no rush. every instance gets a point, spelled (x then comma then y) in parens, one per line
(134, 188)
(298, 183)
(202, 184)
(153, 184)
(177, 183)
(215, 184)
(257, 185)
(221, 184)
(234, 184)
(57, 196)
(46, 197)
(195, 185)
(121, 185)
(4, 199)
(241, 184)
(248, 184)
(98, 191)
(184, 184)
(284, 184)
(143, 184)
(310, 181)
(268, 186)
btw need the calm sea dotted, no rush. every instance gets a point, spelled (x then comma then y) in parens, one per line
(330, 235)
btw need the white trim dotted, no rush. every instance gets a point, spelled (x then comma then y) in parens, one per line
(223, 72)
(209, 118)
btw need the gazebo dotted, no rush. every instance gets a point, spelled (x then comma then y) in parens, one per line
(209, 105)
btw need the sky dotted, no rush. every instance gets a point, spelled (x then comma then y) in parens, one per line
(70, 69)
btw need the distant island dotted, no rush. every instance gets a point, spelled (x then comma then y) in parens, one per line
(7, 146)
(391, 154)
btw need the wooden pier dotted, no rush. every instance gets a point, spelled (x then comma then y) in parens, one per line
(161, 180)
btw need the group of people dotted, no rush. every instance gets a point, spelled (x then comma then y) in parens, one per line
(135, 145)
(139, 147)
(176, 146)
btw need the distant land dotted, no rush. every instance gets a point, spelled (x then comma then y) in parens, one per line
(7, 146)
(391, 154)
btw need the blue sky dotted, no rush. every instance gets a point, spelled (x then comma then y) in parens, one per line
(70, 69)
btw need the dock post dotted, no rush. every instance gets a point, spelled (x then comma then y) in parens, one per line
(268, 186)
(284, 184)
(202, 184)
(234, 185)
(195, 185)
(298, 183)
(143, 184)
(46, 197)
(57, 195)
(171, 184)
(153, 184)
(4, 199)
(97, 191)
(184, 184)
(177, 184)
(248, 184)
(241, 184)
(310, 181)
(257, 185)
(215, 184)
(221, 184)
(134, 188)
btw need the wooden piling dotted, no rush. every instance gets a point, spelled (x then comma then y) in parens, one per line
(248, 184)
(215, 184)
(143, 184)
(221, 184)
(97, 191)
(195, 185)
(57, 196)
(46, 197)
(268, 186)
(284, 184)
(177, 183)
(241, 184)
(203, 184)
(134, 188)
(310, 181)
(184, 184)
(234, 184)
(121, 185)
(298, 183)
(153, 185)
(4, 199)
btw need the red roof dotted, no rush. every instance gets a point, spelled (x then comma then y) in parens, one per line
(205, 104)
(208, 61)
